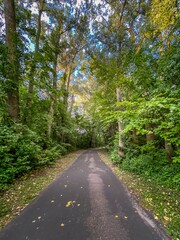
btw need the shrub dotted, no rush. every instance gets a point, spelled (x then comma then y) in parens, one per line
(19, 152)
(22, 149)
(152, 163)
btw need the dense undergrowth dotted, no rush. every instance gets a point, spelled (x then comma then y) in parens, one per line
(149, 161)
(23, 150)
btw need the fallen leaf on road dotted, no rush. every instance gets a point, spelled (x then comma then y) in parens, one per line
(68, 204)
(62, 224)
(78, 204)
(116, 216)
(125, 217)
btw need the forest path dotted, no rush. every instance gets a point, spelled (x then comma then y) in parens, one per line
(86, 202)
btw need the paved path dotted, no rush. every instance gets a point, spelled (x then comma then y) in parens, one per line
(86, 202)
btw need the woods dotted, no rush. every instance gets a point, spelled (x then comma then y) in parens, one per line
(41, 48)
(80, 74)
(136, 64)
(85, 74)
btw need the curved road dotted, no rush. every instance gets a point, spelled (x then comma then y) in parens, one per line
(86, 202)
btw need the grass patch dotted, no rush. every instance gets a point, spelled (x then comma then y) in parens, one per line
(25, 189)
(162, 201)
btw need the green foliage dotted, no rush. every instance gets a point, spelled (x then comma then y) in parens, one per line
(18, 152)
(161, 113)
(114, 151)
(145, 164)
(151, 163)
(48, 156)
(22, 150)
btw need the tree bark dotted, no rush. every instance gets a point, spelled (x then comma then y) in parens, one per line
(69, 72)
(33, 68)
(135, 137)
(120, 126)
(67, 78)
(71, 104)
(12, 82)
(53, 99)
(150, 136)
(169, 151)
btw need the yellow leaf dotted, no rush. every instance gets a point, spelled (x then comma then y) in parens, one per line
(70, 203)
(62, 224)
(116, 216)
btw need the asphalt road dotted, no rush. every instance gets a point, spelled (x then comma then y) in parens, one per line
(86, 202)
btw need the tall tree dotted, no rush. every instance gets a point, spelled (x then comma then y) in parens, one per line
(41, 4)
(12, 69)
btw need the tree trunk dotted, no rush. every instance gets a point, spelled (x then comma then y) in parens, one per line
(69, 71)
(53, 99)
(50, 118)
(66, 85)
(71, 104)
(135, 137)
(150, 136)
(12, 82)
(120, 126)
(169, 151)
(33, 67)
